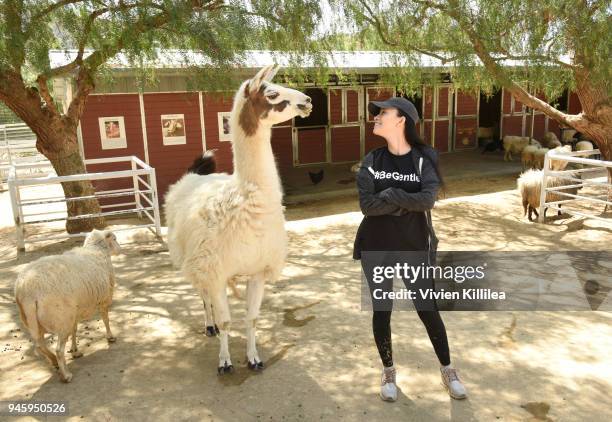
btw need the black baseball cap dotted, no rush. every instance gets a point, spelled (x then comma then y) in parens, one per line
(396, 102)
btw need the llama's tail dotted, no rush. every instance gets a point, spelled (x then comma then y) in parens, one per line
(206, 164)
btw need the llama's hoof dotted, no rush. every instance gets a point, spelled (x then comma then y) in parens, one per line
(76, 354)
(216, 329)
(211, 332)
(256, 366)
(111, 339)
(225, 369)
(66, 377)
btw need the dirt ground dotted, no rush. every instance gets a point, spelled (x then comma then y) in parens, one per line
(321, 360)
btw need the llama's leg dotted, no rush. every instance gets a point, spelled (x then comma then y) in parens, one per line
(109, 335)
(211, 329)
(65, 375)
(255, 291)
(73, 349)
(222, 317)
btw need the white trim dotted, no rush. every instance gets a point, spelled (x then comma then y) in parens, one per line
(143, 124)
(202, 126)
(80, 140)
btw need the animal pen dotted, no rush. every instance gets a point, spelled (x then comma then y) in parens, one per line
(599, 187)
(17, 146)
(141, 197)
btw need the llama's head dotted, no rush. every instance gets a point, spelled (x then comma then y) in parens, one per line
(260, 102)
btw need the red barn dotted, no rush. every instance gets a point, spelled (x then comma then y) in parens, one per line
(169, 125)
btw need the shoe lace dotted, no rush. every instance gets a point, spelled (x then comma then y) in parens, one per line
(389, 376)
(451, 375)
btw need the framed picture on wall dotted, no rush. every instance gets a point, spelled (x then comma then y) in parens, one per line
(112, 132)
(173, 129)
(224, 126)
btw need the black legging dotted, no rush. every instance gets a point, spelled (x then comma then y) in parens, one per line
(427, 310)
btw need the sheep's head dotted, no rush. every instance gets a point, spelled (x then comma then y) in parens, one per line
(263, 103)
(105, 239)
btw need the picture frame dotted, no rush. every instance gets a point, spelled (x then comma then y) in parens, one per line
(173, 129)
(112, 132)
(223, 118)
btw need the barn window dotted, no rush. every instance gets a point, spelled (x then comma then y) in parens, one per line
(318, 117)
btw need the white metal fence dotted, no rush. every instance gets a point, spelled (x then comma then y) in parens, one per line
(17, 146)
(141, 196)
(591, 174)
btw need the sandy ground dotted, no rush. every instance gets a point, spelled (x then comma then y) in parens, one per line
(317, 343)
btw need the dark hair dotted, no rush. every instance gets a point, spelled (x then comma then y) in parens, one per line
(415, 141)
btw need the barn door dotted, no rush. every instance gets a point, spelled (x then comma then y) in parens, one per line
(345, 124)
(443, 116)
(466, 120)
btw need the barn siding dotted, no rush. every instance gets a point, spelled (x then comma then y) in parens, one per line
(213, 104)
(128, 106)
(171, 161)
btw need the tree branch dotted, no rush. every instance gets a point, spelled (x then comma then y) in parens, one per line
(53, 7)
(46, 95)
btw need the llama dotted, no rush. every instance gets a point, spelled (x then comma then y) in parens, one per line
(222, 227)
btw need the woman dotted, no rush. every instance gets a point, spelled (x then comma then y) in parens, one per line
(398, 185)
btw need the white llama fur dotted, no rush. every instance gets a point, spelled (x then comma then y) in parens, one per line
(55, 293)
(221, 226)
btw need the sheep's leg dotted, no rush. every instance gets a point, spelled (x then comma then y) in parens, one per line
(73, 349)
(109, 335)
(211, 329)
(41, 347)
(223, 318)
(255, 291)
(65, 375)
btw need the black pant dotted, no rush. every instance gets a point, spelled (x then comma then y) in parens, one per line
(427, 310)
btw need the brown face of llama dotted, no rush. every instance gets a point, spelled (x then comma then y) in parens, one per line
(268, 104)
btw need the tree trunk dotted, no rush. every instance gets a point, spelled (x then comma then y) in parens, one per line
(67, 162)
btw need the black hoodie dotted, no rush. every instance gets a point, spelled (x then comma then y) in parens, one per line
(396, 194)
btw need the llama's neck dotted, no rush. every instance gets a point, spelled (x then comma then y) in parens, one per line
(254, 163)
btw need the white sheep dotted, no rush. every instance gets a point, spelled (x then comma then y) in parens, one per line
(527, 155)
(550, 140)
(558, 165)
(538, 157)
(55, 293)
(529, 184)
(584, 146)
(514, 145)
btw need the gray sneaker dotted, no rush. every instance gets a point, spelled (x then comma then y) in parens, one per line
(388, 389)
(453, 384)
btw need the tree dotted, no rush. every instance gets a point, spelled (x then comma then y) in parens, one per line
(559, 43)
(100, 29)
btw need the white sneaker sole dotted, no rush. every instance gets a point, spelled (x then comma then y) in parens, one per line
(389, 399)
(450, 393)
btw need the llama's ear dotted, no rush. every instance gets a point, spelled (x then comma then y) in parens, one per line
(271, 73)
(255, 83)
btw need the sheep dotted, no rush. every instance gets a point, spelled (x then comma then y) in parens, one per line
(55, 293)
(558, 165)
(529, 184)
(584, 146)
(514, 145)
(538, 157)
(549, 139)
(527, 155)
